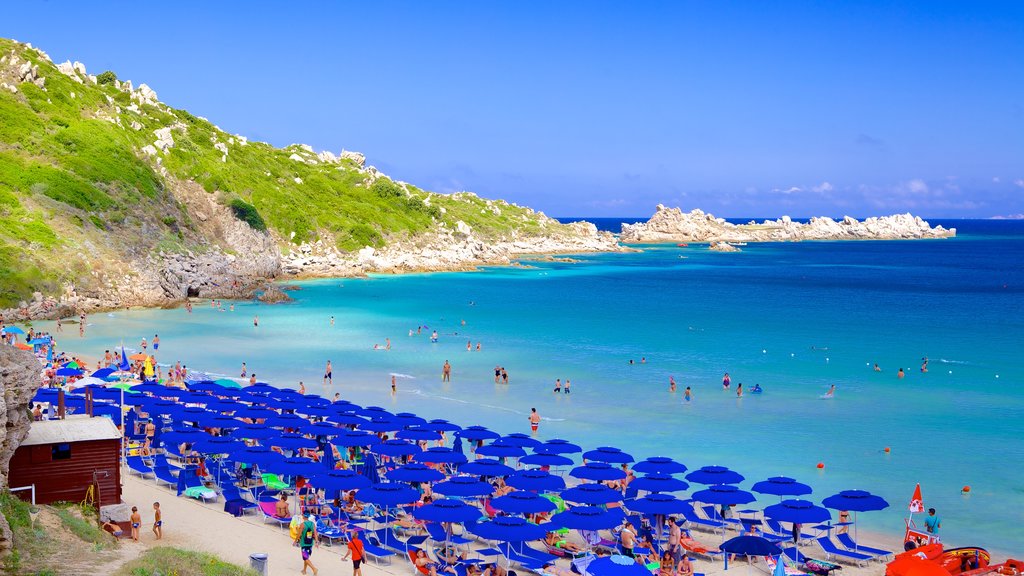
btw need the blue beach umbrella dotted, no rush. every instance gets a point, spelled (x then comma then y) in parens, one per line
(440, 455)
(616, 565)
(708, 475)
(102, 373)
(318, 411)
(558, 446)
(659, 465)
(203, 386)
(396, 448)
(519, 502)
(218, 445)
(46, 395)
(445, 510)
(586, 518)
(355, 438)
(223, 421)
(498, 450)
(478, 433)
(797, 512)
(258, 456)
(286, 421)
(598, 471)
(520, 439)
(608, 454)
(344, 406)
(13, 330)
(464, 487)
(281, 393)
(408, 419)
(855, 501)
(380, 425)
(544, 459)
(296, 466)
(260, 388)
(315, 401)
(439, 425)
(414, 473)
(535, 480)
(255, 432)
(334, 480)
(375, 412)
(781, 486)
(388, 495)
(255, 413)
(485, 467)
(591, 494)
(509, 529)
(724, 495)
(662, 504)
(417, 434)
(369, 467)
(321, 429)
(748, 546)
(659, 483)
(292, 442)
(346, 419)
(149, 388)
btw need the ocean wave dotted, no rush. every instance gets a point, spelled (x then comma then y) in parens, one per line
(400, 375)
(944, 361)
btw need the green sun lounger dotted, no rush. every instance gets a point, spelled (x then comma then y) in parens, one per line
(272, 482)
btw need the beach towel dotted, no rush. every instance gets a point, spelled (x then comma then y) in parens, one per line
(199, 492)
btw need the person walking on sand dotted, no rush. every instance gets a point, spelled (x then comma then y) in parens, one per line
(446, 372)
(328, 374)
(306, 540)
(136, 520)
(158, 521)
(355, 550)
(932, 523)
(534, 420)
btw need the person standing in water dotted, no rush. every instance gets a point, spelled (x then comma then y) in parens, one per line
(558, 385)
(924, 364)
(394, 385)
(245, 371)
(899, 374)
(687, 394)
(328, 374)
(534, 420)
(726, 381)
(671, 384)
(566, 385)
(256, 321)
(446, 372)
(739, 390)
(831, 391)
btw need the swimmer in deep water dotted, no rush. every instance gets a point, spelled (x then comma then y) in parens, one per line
(877, 369)
(924, 364)
(831, 391)
(756, 389)
(899, 374)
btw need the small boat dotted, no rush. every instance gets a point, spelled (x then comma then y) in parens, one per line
(682, 245)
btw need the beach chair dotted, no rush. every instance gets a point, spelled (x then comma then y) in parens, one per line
(389, 539)
(833, 551)
(771, 563)
(687, 542)
(774, 527)
(695, 521)
(374, 550)
(164, 476)
(515, 556)
(524, 549)
(137, 465)
(711, 513)
(268, 511)
(438, 535)
(234, 503)
(847, 542)
(329, 532)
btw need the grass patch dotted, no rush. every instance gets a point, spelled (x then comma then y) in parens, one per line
(248, 213)
(166, 560)
(82, 523)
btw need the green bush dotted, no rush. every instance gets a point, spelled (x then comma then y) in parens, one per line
(247, 213)
(166, 560)
(107, 77)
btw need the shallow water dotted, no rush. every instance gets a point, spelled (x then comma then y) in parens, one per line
(794, 318)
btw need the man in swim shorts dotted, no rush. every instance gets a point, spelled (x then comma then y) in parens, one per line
(328, 373)
(534, 419)
(558, 385)
(307, 538)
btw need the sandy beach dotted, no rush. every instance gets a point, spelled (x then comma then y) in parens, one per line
(194, 525)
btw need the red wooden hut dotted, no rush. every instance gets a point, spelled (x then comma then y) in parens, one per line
(63, 458)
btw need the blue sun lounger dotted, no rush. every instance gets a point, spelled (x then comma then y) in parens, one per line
(373, 549)
(137, 465)
(847, 542)
(833, 551)
(697, 522)
(438, 535)
(164, 476)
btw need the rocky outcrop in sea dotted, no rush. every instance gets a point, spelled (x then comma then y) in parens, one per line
(674, 225)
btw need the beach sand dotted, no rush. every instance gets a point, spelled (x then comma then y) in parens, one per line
(194, 525)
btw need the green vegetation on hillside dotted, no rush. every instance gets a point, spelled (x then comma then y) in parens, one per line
(78, 187)
(166, 560)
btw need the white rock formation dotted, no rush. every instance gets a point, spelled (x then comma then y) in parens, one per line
(673, 225)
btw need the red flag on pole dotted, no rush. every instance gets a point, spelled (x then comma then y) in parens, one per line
(916, 502)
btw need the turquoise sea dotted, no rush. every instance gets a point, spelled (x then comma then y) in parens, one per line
(794, 318)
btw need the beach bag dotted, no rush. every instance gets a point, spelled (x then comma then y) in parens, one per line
(295, 527)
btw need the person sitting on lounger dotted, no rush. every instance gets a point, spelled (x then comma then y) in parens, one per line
(493, 569)
(352, 506)
(423, 562)
(556, 541)
(281, 508)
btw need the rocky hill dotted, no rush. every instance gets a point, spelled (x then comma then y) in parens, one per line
(110, 197)
(674, 225)
(19, 379)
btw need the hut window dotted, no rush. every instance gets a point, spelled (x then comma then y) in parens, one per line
(61, 451)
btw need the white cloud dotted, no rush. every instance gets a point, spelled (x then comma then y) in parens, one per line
(790, 190)
(917, 186)
(1019, 182)
(822, 188)
(996, 179)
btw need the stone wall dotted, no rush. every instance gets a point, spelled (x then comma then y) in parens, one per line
(19, 379)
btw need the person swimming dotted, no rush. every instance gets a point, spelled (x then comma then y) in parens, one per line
(831, 391)
(756, 389)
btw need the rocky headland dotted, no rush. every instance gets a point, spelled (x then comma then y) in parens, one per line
(19, 379)
(674, 225)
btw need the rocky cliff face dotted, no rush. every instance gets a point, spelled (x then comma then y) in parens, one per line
(673, 225)
(19, 379)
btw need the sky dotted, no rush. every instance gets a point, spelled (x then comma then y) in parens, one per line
(600, 108)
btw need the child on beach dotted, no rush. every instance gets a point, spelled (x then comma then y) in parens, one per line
(136, 520)
(158, 521)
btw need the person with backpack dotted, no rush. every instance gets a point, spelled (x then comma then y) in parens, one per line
(306, 539)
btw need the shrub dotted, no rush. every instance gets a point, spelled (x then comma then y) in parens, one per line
(107, 77)
(247, 213)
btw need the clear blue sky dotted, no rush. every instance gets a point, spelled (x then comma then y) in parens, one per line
(597, 108)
